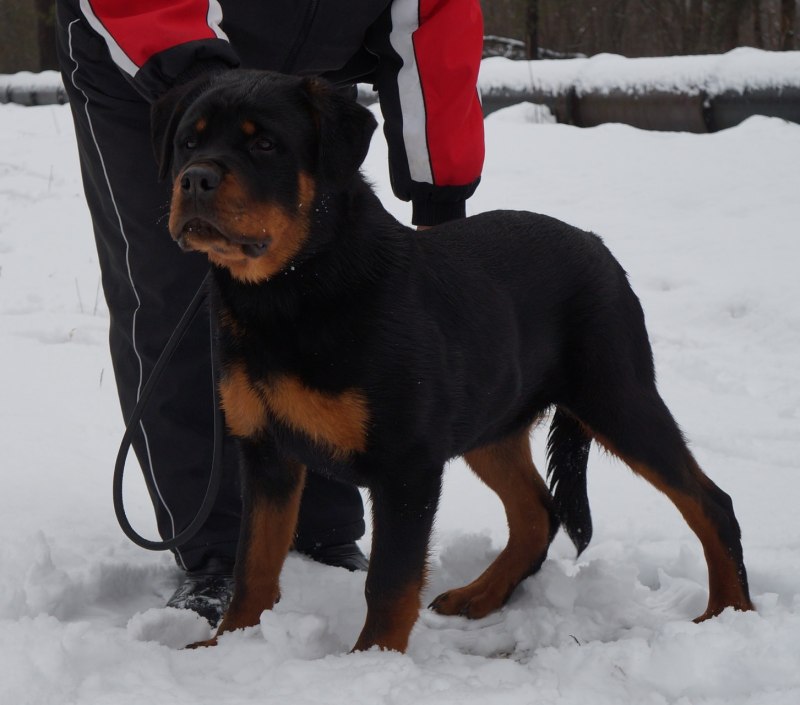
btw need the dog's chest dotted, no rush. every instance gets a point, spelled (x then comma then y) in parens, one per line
(337, 422)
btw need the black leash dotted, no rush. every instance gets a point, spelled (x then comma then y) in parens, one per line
(216, 461)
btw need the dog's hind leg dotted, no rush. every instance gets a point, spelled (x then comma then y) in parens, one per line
(633, 423)
(507, 467)
(403, 509)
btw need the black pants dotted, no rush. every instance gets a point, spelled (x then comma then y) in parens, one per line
(148, 283)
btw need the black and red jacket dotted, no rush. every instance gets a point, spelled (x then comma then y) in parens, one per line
(422, 56)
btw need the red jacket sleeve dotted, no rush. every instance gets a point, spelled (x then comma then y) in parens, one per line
(427, 83)
(157, 42)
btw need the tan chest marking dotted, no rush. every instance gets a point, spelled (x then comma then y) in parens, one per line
(245, 411)
(339, 422)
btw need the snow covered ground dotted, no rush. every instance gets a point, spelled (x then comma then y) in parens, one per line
(706, 225)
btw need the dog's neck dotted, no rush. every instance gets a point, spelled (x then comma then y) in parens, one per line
(352, 243)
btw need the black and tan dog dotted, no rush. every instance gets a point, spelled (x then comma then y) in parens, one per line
(355, 346)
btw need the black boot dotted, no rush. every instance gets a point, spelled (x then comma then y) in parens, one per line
(343, 555)
(206, 591)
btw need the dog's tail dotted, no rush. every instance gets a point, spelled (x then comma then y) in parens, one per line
(567, 458)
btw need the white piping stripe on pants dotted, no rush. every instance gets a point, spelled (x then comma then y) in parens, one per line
(130, 277)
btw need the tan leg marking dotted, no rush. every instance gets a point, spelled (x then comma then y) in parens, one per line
(389, 626)
(724, 583)
(270, 534)
(508, 469)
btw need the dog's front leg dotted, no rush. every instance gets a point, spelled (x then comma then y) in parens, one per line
(403, 509)
(271, 491)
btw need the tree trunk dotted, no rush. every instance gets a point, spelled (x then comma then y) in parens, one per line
(728, 15)
(532, 29)
(18, 32)
(47, 34)
(693, 28)
(758, 27)
(788, 18)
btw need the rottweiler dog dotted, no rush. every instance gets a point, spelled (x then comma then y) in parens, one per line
(355, 346)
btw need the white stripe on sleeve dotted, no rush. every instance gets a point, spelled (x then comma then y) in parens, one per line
(405, 21)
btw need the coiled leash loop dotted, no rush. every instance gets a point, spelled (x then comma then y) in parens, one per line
(215, 476)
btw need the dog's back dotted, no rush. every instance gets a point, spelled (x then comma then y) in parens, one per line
(511, 305)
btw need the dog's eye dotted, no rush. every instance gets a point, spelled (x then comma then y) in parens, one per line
(190, 143)
(263, 144)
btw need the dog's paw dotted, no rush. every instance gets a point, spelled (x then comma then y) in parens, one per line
(201, 644)
(467, 602)
(742, 605)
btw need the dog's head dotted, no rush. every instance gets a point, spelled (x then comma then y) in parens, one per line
(250, 152)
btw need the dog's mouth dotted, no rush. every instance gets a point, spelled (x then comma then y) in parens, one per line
(198, 234)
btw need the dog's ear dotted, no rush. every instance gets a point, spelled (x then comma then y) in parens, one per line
(345, 129)
(166, 113)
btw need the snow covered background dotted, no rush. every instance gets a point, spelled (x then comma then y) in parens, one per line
(738, 70)
(707, 226)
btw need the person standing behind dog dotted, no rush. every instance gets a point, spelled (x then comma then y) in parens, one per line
(116, 59)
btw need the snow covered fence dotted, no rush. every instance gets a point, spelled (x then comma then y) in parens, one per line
(26, 88)
(686, 93)
(682, 93)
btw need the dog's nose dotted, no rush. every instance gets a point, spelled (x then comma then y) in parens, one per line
(200, 179)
